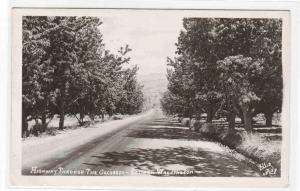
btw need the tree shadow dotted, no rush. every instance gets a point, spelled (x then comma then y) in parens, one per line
(199, 163)
(168, 124)
(163, 128)
(164, 131)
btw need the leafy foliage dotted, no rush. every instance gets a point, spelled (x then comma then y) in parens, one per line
(229, 66)
(67, 70)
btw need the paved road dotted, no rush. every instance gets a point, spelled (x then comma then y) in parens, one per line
(154, 146)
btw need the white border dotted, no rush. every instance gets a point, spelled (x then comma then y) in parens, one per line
(175, 4)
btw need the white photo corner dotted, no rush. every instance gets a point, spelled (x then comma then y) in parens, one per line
(152, 96)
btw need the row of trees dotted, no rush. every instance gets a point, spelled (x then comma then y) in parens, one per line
(228, 67)
(67, 70)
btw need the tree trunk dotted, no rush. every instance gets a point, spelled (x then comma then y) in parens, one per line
(231, 121)
(232, 114)
(242, 119)
(247, 118)
(24, 124)
(81, 117)
(62, 116)
(209, 114)
(110, 114)
(198, 116)
(63, 105)
(186, 114)
(268, 116)
(102, 116)
(79, 120)
(44, 123)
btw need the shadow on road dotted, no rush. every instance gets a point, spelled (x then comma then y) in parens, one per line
(201, 163)
(165, 133)
(163, 129)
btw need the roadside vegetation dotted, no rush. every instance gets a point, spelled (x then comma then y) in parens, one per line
(67, 71)
(70, 123)
(225, 82)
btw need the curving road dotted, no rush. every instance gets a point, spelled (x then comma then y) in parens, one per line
(153, 145)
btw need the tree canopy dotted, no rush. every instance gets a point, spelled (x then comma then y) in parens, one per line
(67, 70)
(226, 64)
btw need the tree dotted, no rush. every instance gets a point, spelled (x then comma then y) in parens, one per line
(197, 43)
(205, 41)
(172, 104)
(259, 39)
(62, 55)
(88, 69)
(181, 87)
(37, 94)
(268, 47)
(238, 73)
(67, 70)
(131, 101)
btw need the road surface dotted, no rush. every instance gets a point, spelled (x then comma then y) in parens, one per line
(155, 146)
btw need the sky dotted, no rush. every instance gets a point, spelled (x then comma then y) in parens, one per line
(151, 37)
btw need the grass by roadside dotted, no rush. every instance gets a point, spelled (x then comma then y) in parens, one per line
(262, 146)
(71, 123)
(260, 149)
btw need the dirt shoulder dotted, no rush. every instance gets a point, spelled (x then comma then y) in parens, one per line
(39, 149)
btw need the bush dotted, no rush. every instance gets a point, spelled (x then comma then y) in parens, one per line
(117, 117)
(180, 119)
(37, 129)
(186, 122)
(51, 132)
(208, 129)
(195, 125)
(232, 139)
(192, 121)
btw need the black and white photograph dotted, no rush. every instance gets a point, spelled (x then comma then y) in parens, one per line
(151, 94)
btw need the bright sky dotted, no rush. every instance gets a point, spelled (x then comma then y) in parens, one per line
(151, 37)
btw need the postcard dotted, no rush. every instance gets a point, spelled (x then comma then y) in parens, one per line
(150, 98)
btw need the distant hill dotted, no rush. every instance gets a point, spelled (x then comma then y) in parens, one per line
(155, 84)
